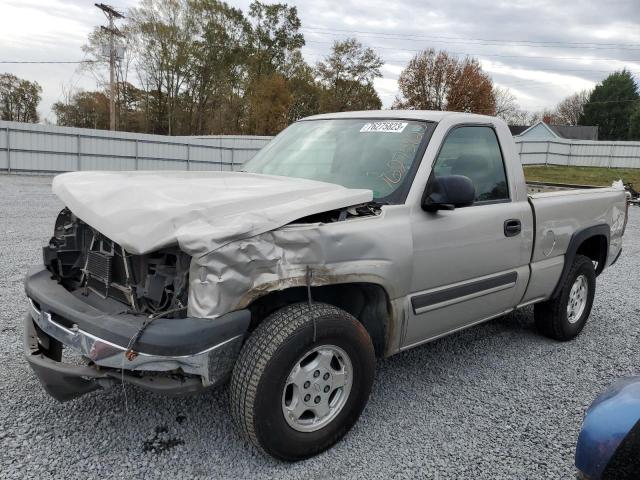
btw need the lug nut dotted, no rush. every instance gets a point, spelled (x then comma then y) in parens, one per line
(326, 376)
(316, 374)
(326, 389)
(307, 397)
(307, 384)
(317, 399)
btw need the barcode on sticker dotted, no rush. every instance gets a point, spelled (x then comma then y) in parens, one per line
(385, 127)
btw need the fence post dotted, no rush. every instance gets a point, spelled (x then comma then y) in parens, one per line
(569, 157)
(79, 162)
(611, 150)
(188, 157)
(520, 154)
(8, 153)
(136, 153)
(546, 154)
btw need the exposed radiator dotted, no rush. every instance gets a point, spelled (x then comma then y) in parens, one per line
(99, 266)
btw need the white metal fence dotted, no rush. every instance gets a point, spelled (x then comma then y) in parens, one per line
(580, 153)
(44, 148)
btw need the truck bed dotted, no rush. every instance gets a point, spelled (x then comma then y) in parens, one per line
(543, 187)
(561, 212)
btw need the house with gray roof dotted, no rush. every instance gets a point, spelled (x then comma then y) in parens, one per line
(544, 131)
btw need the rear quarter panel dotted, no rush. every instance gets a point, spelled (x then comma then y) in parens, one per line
(558, 215)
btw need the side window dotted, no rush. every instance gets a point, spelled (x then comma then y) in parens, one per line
(475, 153)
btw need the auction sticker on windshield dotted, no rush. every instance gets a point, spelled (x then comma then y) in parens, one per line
(385, 127)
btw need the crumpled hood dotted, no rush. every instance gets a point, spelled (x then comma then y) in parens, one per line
(200, 211)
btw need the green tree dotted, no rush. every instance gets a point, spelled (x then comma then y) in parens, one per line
(84, 110)
(634, 124)
(162, 32)
(203, 67)
(270, 102)
(19, 99)
(305, 91)
(98, 66)
(274, 37)
(275, 68)
(611, 105)
(130, 108)
(218, 57)
(347, 76)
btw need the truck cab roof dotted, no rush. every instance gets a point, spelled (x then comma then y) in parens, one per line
(425, 115)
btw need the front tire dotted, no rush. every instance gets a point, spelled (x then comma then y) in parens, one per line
(302, 380)
(564, 317)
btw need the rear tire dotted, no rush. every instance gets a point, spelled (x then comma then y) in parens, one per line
(564, 317)
(302, 380)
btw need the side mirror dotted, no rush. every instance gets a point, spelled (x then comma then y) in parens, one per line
(448, 192)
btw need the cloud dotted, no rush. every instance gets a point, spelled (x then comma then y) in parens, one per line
(542, 50)
(553, 48)
(48, 30)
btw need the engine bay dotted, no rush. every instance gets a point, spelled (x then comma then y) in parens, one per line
(81, 258)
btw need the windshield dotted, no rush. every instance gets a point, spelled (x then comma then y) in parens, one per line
(379, 155)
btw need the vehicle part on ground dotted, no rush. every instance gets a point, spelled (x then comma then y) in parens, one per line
(609, 443)
(302, 380)
(564, 317)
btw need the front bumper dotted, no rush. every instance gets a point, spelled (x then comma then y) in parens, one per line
(173, 347)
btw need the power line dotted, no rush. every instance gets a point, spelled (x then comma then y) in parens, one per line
(45, 62)
(417, 37)
(462, 38)
(445, 40)
(493, 54)
(591, 103)
(536, 68)
(541, 68)
(613, 101)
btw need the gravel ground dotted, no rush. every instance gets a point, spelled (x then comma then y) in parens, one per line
(494, 401)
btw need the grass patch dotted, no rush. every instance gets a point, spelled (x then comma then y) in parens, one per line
(582, 175)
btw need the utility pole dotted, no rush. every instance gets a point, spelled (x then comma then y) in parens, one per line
(111, 15)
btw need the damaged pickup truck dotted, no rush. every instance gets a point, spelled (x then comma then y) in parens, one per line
(349, 236)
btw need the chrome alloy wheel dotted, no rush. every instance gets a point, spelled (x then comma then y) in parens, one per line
(317, 388)
(577, 299)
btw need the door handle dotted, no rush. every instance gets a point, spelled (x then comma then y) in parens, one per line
(512, 227)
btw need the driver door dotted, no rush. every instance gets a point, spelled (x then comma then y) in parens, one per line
(467, 266)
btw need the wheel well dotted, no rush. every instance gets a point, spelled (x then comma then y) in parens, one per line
(596, 248)
(367, 302)
(592, 242)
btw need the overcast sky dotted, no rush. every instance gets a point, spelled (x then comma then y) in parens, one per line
(542, 51)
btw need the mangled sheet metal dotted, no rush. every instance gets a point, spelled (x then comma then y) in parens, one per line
(237, 228)
(230, 223)
(234, 275)
(199, 211)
